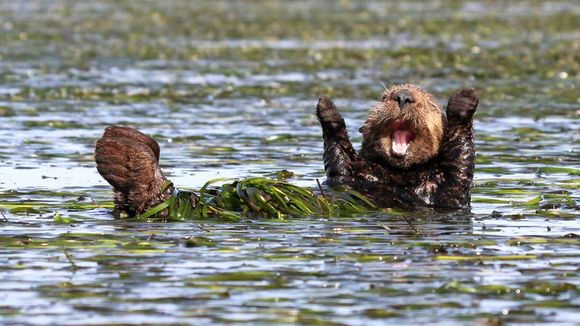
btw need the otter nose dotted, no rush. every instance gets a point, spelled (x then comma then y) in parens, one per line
(403, 97)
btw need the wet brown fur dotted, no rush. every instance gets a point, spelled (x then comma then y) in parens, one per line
(425, 118)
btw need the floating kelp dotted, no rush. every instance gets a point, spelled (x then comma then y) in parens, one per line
(257, 197)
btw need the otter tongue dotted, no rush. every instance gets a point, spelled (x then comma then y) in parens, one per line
(401, 139)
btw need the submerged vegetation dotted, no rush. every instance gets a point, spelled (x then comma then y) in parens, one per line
(229, 90)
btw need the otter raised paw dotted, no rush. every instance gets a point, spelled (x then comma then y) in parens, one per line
(339, 155)
(413, 155)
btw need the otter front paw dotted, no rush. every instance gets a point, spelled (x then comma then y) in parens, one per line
(462, 105)
(328, 115)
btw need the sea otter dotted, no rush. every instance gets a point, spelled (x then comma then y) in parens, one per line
(413, 155)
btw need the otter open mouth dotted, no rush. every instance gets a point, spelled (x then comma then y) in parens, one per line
(401, 137)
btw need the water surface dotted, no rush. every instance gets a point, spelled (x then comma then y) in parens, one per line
(228, 88)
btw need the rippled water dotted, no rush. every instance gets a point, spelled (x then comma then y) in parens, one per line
(229, 89)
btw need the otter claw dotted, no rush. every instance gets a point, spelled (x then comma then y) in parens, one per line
(462, 105)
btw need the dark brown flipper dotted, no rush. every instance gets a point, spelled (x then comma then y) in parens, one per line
(458, 151)
(339, 154)
(131, 133)
(128, 160)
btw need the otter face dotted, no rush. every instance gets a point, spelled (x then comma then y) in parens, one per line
(406, 128)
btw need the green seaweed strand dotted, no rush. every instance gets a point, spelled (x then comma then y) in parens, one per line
(256, 197)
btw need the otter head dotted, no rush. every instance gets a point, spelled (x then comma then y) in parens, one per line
(405, 129)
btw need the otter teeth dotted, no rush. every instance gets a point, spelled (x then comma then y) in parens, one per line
(401, 140)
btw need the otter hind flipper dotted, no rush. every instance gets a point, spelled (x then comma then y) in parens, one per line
(118, 132)
(339, 154)
(127, 159)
